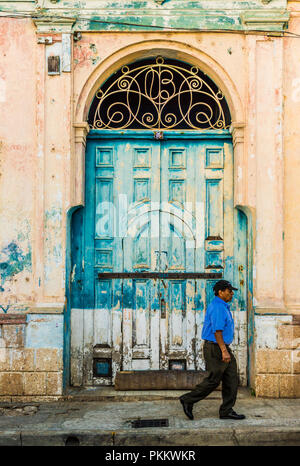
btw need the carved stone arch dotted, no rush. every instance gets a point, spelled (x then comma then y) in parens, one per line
(146, 49)
(167, 48)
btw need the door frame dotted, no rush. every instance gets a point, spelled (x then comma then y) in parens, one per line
(133, 134)
(167, 134)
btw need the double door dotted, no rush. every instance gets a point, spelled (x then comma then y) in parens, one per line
(157, 233)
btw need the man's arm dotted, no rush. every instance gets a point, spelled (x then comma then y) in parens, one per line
(220, 341)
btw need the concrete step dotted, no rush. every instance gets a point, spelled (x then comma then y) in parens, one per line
(158, 379)
(110, 394)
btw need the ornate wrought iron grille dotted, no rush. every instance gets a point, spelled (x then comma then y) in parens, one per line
(159, 94)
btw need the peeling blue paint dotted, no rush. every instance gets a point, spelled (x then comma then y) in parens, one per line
(127, 296)
(4, 308)
(15, 262)
(148, 16)
(44, 331)
(57, 254)
(199, 305)
(53, 215)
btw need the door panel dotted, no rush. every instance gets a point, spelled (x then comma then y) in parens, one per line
(178, 250)
(151, 206)
(138, 172)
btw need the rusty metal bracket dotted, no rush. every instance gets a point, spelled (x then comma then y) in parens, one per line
(163, 308)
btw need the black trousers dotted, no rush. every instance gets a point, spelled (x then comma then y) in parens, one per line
(218, 371)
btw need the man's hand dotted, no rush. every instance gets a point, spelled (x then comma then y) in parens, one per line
(219, 339)
(225, 356)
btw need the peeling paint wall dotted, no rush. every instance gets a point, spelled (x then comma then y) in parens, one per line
(17, 148)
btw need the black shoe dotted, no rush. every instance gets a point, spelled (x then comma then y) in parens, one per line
(188, 409)
(233, 415)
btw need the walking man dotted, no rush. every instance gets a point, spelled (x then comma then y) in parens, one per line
(217, 333)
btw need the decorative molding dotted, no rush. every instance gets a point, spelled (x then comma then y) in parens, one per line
(271, 311)
(266, 20)
(78, 163)
(293, 309)
(237, 131)
(47, 24)
(81, 132)
(109, 15)
(12, 319)
(47, 308)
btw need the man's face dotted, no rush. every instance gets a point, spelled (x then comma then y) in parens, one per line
(226, 295)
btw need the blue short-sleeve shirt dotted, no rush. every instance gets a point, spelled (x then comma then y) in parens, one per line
(218, 317)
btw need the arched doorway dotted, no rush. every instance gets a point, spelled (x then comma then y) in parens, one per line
(158, 228)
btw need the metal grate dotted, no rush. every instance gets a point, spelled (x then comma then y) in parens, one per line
(150, 423)
(159, 94)
(102, 367)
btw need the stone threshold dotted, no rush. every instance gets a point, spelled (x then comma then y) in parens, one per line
(110, 394)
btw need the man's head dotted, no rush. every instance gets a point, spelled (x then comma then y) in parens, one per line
(224, 290)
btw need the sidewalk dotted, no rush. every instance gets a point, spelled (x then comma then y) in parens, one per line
(103, 416)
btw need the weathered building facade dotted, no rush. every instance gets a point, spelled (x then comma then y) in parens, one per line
(147, 149)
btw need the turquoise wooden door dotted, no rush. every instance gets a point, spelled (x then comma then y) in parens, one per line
(157, 234)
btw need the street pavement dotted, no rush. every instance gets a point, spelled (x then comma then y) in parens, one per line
(104, 417)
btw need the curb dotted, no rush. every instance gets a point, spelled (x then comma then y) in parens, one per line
(262, 436)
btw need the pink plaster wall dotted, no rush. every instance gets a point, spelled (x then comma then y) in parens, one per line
(17, 149)
(292, 163)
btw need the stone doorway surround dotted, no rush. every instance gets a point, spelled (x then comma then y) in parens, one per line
(253, 194)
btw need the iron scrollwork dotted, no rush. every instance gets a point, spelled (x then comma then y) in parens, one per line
(160, 95)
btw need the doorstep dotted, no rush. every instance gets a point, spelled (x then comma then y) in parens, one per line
(110, 394)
